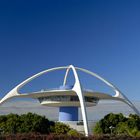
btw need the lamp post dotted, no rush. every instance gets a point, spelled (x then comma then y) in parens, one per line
(111, 129)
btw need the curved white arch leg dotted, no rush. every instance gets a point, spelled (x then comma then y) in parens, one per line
(119, 95)
(124, 99)
(77, 88)
(65, 77)
(15, 92)
(9, 95)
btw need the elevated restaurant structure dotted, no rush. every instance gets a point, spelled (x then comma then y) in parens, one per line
(70, 97)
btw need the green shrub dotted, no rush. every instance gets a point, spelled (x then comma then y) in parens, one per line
(73, 132)
(97, 129)
(138, 134)
(60, 128)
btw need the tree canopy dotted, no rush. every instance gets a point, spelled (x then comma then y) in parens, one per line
(31, 122)
(118, 124)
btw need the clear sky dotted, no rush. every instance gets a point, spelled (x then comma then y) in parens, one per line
(100, 35)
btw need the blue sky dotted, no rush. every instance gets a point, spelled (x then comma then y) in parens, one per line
(100, 35)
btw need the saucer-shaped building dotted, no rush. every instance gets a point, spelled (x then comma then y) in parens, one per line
(70, 97)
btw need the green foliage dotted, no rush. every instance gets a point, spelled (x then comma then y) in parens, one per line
(25, 123)
(134, 121)
(110, 120)
(60, 128)
(9, 123)
(73, 132)
(122, 128)
(97, 129)
(28, 123)
(118, 124)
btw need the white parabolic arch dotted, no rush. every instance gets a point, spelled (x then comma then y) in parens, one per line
(77, 88)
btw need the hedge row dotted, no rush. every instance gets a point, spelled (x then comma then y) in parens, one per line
(64, 137)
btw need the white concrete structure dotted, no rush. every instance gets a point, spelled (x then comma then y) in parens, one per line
(76, 90)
